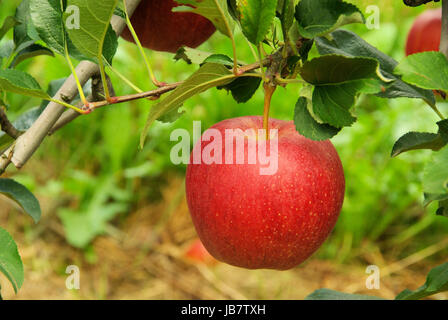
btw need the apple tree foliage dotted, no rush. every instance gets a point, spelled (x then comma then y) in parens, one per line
(282, 33)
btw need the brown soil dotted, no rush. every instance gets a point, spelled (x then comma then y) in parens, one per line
(142, 257)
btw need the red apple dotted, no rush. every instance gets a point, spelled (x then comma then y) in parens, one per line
(425, 32)
(160, 29)
(253, 220)
(196, 252)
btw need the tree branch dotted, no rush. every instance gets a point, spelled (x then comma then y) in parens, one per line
(148, 94)
(28, 143)
(6, 126)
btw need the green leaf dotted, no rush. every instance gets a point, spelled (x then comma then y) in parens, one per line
(9, 23)
(417, 141)
(55, 85)
(233, 9)
(26, 120)
(286, 11)
(442, 210)
(429, 197)
(6, 49)
(53, 88)
(219, 58)
(95, 37)
(435, 174)
(22, 196)
(31, 51)
(47, 17)
(332, 103)
(327, 294)
(318, 17)
(19, 82)
(436, 281)
(190, 55)
(172, 116)
(371, 86)
(208, 76)
(333, 69)
(82, 226)
(243, 88)
(351, 45)
(214, 10)
(256, 17)
(422, 140)
(427, 70)
(10, 262)
(24, 31)
(307, 126)
(120, 12)
(443, 129)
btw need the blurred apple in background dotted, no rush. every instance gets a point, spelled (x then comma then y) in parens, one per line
(196, 252)
(425, 32)
(160, 29)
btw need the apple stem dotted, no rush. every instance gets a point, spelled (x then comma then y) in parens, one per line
(269, 90)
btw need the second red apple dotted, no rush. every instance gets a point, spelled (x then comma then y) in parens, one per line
(160, 29)
(425, 32)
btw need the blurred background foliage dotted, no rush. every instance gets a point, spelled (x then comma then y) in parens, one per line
(92, 175)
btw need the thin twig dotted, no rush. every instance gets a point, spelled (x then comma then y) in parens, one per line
(71, 115)
(168, 87)
(153, 93)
